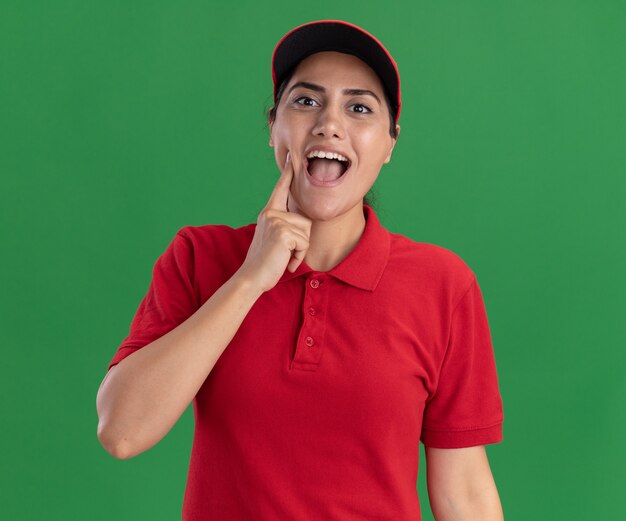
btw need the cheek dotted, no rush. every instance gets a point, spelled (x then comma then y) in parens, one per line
(281, 138)
(288, 134)
(284, 127)
(375, 145)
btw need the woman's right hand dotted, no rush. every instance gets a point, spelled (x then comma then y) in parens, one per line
(281, 238)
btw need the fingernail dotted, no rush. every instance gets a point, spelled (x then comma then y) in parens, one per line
(288, 157)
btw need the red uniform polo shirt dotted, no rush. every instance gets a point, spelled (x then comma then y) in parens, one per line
(315, 409)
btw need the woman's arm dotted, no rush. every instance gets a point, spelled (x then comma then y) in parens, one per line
(461, 486)
(142, 397)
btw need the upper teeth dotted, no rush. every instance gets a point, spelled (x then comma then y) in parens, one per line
(326, 155)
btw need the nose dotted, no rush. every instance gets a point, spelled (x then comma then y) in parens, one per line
(330, 122)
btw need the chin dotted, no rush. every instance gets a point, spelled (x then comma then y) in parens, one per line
(324, 210)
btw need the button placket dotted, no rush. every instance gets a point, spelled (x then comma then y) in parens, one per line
(311, 337)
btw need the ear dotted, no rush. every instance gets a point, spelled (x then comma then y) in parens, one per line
(271, 125)
(393, 144)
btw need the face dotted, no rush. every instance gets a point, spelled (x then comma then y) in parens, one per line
(333, 103)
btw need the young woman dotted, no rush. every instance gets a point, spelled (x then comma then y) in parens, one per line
(317, 347)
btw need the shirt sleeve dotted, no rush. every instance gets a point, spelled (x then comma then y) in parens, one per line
(466, 407)
(170, 300)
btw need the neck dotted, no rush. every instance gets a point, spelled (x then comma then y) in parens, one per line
(331, 241)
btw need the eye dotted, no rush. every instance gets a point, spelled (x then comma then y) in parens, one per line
(305, 100)
(360, 108)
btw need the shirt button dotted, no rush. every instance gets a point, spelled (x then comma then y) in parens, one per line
(309, 341)
(312, 311)
(314, 283)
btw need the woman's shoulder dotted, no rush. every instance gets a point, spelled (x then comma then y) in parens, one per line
(430, 260)
(216, 231)
(220, 238)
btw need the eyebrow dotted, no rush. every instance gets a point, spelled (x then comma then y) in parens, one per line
(345, 92)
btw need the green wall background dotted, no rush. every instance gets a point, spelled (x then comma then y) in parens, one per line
(120, 122)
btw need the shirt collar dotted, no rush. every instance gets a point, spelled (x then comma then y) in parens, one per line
(364, 265)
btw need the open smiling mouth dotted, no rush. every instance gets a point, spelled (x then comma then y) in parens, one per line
(327, 170)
